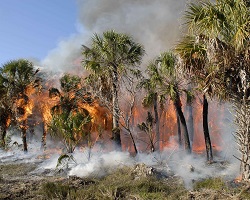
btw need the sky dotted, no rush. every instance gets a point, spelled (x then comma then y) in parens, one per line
(51, 32)
(31, 28)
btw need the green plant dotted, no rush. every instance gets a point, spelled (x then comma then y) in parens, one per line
(64, 162)
(71, 127)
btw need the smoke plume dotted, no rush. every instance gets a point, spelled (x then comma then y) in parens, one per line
(154, 24)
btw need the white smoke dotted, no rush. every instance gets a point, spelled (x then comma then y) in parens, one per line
(170, 162)
(154, 24)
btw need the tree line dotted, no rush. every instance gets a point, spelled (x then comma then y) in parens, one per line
(212, 59)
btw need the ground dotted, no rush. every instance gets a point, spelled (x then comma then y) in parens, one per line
(22, 181)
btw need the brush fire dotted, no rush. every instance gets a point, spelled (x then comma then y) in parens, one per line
(106, 104)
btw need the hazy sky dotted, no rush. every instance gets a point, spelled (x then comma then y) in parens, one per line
(30, 28)
(51, 32)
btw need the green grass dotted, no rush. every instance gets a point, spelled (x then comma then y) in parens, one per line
(122, 185)
(119, 185)
(210, 183)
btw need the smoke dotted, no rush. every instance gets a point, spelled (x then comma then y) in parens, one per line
(169, 162)
(65, 58)
(154, 24)
(227, 129)
(97, 163)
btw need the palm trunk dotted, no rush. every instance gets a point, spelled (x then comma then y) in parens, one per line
(24, 138)
(242, 107)
(3, 135)
(206, 130)
(177, 104)
(45, 131)
(179, 130)
(242, 110)
(116, 130)
(157, 125)
(190, 122)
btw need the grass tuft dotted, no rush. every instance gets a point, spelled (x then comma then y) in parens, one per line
(210, 183)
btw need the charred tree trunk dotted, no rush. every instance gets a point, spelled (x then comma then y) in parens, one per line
(179, 130)
(5, 119)
(177, 104)
(116, 129)
(190, 122)
(133, 141)
(24, 136)
(45, 131)
(152, 146)
(157, 123)
(206, 130)
(3, 135)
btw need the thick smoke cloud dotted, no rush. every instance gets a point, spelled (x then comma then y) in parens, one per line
(154, 24)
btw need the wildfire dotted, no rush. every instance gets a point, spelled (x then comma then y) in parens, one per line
(46, 112)
(102, 119)
(100, 116)
(24, 108)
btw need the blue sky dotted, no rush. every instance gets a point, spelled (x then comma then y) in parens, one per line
(31, 28)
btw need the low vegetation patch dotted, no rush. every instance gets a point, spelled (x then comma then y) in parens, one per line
(210, 183)
(119, 185)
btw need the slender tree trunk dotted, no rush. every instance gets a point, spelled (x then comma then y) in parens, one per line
(206, 130)
(45, 131)
(5, 125)
(190, 122)
(3, 135)
(177, 104)
(152, 147)
(157, 122)
(133, 141)
(24, 138)
(116, 129)
(179, 130)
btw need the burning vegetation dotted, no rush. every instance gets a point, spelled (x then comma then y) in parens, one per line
(120, 106)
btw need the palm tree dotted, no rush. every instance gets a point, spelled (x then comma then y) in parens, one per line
(164, 74)
(112, 55)
(222, 30)
(20, 81)
(193, 55)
